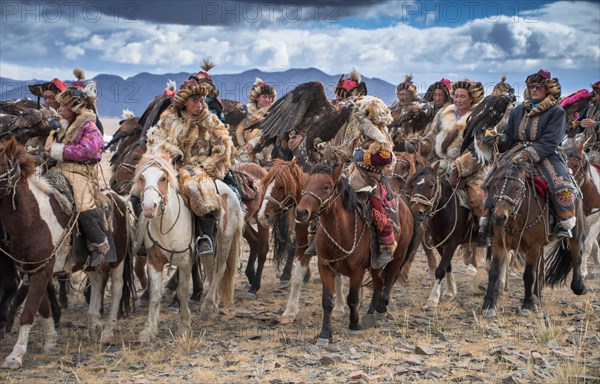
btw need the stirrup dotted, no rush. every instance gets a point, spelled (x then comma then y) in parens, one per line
(204, 246)
(562, 233)
(311, 250)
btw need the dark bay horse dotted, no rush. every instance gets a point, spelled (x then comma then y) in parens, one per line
(282, 189)
(447, 222)
(343, 242)
(34, 207)
(520, 219)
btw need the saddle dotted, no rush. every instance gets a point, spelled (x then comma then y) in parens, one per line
(66, 201)
(246, 184)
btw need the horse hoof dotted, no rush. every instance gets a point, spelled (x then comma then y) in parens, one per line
(471, 270)
(284, 319)
(106, 338)
(525, 312)
(207, 316)
(144, 338)
(336, 314)
(322, 342)
(448, 296)
(369, 321)
(430, 305)
(283, 284)
(12, 364)
(172, 310)
(251, 296)
(52, 350)
(489, 312)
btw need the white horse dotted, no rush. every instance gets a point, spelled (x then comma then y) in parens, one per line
(167, 231)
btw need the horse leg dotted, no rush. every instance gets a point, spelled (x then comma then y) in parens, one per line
(37, 291)
(64, 280)
(252, 238)
(184, 327)
(286, 274)
(370, 320)
(262, 248)
(432, 262)
(197, 288)
(447, 252)
(51, 337)
(530, 276)
(96, 292)
(353, 299)
(327, 279)
(291, 309)
(472, 259)
(116, 279)
(596, 257)
(155, 272)
(577, 284)
(140, 272)
(339, 304)
(450, 283)
(54, 305)
(210, 304)
(496, 280)
(10, 284)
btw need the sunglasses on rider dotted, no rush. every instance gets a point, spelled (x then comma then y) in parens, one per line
(535, 86)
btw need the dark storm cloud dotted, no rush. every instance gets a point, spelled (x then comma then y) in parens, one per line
(188, 12)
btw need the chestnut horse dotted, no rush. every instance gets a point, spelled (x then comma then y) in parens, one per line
(447, 222)
(520, 222)
(282, 189)
(343, 242)
(34, 207)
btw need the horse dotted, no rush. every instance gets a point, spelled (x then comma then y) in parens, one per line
(35, 207)
(520, 222)
(343, 242)
(167, 232)
(449, 224)
(282, 189)
(406, 164)
(588, 179)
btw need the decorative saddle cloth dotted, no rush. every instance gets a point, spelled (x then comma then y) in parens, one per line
(246, 184)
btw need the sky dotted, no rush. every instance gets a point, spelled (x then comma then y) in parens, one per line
(475, 39)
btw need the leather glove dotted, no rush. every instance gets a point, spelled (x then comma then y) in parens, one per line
(358, 155)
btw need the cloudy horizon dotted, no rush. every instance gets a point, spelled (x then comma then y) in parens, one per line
(386, 39)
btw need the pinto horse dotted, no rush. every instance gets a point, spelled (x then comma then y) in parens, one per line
(448, 223)
(588, 179)
(167, 232)
(520, 223)
(343, 242)
(35, 207)
(282, 189)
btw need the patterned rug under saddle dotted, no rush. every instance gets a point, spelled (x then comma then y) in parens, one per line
(79, 248)
(246, 184)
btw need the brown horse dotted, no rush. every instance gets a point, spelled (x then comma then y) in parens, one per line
(447, 222)
(282, 189)
(343, 242)
(35, 207)
(520, 220)
(404, 166)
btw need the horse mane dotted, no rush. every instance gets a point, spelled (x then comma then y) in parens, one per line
(349, 196)
(286, 173)
(25, 160)
(147, 161)
(120, 155)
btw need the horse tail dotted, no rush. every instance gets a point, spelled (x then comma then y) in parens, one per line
(558, 264)
(227, 284)
(128, 291)
(411, 251)
(280, 235)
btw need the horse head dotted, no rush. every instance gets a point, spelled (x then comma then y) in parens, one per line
(321, 189)
(576, 160)
(154, 181)
(424, 189)
(124, 169)
(15, 164)
(282, 188)
(508, 186)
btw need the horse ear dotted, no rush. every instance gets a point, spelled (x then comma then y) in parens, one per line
(11, 147)
(337, 172)
(436, 167)
(580, 147)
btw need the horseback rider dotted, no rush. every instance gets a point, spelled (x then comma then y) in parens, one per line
(203, 150)
(372, 154)
(438, 94)
(261, 97)
(534, 131)
(406, 92)
(78, 148)
(589, 121)
(444, 139)
(79, 83)
(212, 95)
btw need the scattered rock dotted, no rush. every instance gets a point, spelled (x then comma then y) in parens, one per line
(424, 350)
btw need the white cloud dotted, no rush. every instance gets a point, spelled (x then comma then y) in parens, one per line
(73, 52)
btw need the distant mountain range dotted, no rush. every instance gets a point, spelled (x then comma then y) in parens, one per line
(134, 93)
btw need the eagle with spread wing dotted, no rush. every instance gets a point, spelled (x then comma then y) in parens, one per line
(487, 121)
(21, 119)
(305, 111)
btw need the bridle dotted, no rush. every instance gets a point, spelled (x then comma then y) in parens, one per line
(515, 202)
(11, 176)
(433, 202)
(288, 202)
(324, 205)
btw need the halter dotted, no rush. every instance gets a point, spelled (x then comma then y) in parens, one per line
(517, 201)
(324, 205)
(128, 166)
(163, 198)
(432, 203)
(12, 177)
(283, 205)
